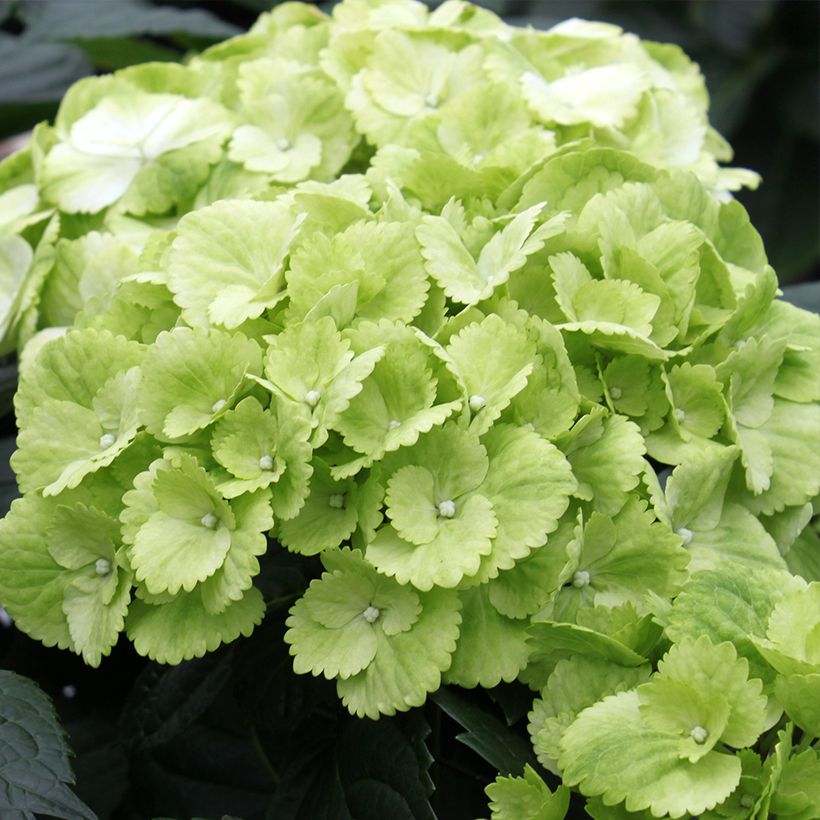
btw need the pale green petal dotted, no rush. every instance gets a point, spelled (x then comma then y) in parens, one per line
(407, 666)
(312, 364)
(528, 482)
(95, 624)
(454, 552)
(714, 672)
(800, 696)
(327, 518)
(575, 684)
(492, 360)
(32, 583)
(182, 628)
(609, 751)
(191, 377)
(731, 603)
(73, 368)
(491, 647)
(528, 796)
(226, 264)
(606, 456)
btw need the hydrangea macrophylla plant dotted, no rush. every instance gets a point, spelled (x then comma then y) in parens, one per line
(467, 316)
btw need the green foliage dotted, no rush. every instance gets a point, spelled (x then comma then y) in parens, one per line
(526, 392)
(36, 772)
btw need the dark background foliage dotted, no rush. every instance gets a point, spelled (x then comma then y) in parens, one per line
(236, 733)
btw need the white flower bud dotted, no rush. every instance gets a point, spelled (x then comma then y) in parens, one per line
(266, 463)
(699, 735)
(102, 566)
(680, 415)
(477, 402)
(616, 393)
(686, 535)
(394, 423)
(283, 144)
(431, 100)
(69, 691)
(312, 397)
(447, 509)
(580, 579)
(370, 614)
(218, 405)
(337, 501)
(107, 440)
(209, 521)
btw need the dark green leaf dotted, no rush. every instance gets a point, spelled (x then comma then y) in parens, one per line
(111, 53)
(37, 72)
(166, 700)
(212, 768)
(806, 296)
(486, 735)
(354, 768)
(34, 755)
(50, 20)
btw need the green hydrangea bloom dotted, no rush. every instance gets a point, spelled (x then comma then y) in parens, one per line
(469, 312)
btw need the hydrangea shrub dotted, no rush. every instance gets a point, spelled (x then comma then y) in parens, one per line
(467, 315)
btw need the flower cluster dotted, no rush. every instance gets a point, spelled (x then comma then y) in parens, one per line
(468, 312)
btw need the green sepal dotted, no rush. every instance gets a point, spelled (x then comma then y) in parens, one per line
(528, 796)
(192, 377)
(491, 647)
(182, 628)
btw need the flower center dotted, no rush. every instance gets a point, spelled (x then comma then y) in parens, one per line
(686, 535)
(580, 579)
(699, 735)
(616, 393)
(312, 397)
(209, 521)
(266, 463)
(477, 402)
(107, 440)
(447, 509)
(337, 501)
(283, 144)
(393, 424)
(102, 566)
(370, 614)
(680, 415)
(431, 100)
(218, 405)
